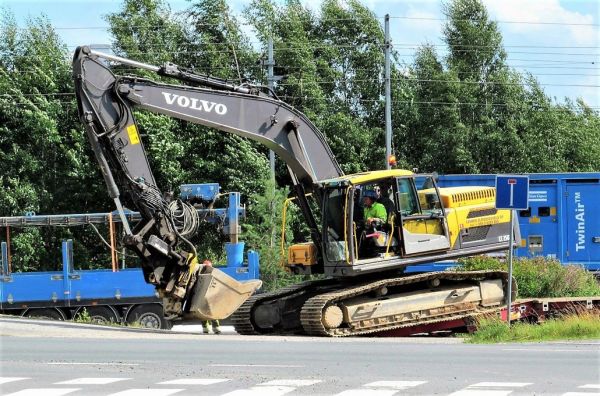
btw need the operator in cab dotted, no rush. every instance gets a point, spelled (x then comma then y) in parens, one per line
(374, 211)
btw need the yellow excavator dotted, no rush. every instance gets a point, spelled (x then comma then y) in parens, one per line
(360, 259)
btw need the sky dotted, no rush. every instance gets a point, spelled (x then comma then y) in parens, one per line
(558, 41)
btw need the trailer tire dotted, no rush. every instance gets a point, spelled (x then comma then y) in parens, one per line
(101, 315)
(44, 313)
(149, 316)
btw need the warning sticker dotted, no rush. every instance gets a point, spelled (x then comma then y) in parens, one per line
(134, 138)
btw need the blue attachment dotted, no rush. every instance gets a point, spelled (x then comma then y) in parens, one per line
(205, 191)
(235, 254)
(245, 272)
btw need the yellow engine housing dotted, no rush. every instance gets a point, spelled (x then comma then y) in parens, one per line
(469, 207)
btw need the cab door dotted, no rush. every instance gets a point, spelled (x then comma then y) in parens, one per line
(423, 224)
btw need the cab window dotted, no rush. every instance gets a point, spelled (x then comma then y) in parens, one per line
(428, 195)
(407, 198)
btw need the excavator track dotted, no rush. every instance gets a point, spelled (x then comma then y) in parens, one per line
(242, 319)
(312, 311)
(316, 296)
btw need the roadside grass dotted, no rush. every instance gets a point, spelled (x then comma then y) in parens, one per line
(540, 277)
(580, 325)
(84, 316)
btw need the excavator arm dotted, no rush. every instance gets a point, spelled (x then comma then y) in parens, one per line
(161, 239)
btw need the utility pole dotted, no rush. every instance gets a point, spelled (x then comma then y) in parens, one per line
(388, 95)
(270, 79)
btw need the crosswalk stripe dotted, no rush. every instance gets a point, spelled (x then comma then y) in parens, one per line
(590, 386)
(289, 382)
(481, 392)
(194, 381)
(262, 391)
(367, 392)
(147, 392)
(273, 388)
(44, 391)
(478, 389)
(398, 385)
(5, 380)
(500, 384)
(91, 381)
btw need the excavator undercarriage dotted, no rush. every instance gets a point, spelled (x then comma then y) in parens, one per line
(338, 308)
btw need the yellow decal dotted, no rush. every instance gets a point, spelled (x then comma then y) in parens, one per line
(134, 138)
(553, 211)
(534, 219)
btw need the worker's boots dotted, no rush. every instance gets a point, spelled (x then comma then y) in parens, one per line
(215, 327)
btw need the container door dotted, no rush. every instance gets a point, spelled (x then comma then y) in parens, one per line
(583, 227)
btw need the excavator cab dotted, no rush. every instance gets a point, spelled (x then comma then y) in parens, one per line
(415, 223)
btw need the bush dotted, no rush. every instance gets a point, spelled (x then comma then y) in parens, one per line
(539, 276)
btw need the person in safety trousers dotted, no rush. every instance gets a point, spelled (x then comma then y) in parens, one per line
(210, 323)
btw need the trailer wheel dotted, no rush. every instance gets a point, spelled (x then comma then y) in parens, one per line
(101, 315)
(150, 316)
(44, 313)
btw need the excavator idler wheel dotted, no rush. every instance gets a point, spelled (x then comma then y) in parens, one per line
(433, 282)
(332, 317)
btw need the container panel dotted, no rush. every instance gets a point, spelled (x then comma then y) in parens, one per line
(583, 224)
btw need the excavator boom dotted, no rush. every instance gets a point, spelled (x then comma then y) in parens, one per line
(106, 101)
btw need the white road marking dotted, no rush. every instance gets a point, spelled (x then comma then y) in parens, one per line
(398, 385)
(500, 384)
(91, 381)
(4, 380)
(262, 391)
(194, 381)
(44, 391)
(92, 364)
(273, 388)
(478, 389)
(590, 386)
(481, 392)
(367, 392)
(383, 388)
(147, 392)
(289, 382)
(257, 365)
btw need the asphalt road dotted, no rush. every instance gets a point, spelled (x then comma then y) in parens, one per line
(52, 360)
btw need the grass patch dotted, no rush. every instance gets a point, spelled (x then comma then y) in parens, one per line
(582, 325)
(540, 277)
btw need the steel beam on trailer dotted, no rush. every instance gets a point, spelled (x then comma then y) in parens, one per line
(211, 215)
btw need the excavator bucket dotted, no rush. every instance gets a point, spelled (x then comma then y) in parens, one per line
(217, 295)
